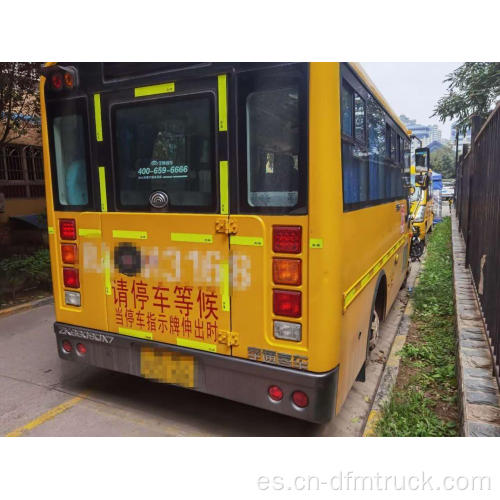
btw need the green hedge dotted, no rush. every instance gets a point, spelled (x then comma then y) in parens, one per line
(20, 272)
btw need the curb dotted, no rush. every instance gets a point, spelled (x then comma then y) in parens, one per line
(478, 391)
(26, 306)
(390, 373)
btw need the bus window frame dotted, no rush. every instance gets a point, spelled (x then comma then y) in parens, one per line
(285, 75)
(119, 100)
(357, 85)
(59, 107)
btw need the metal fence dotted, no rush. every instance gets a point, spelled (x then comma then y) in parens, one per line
(478, 211)
(21, 171)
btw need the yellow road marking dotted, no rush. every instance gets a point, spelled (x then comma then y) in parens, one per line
(397, 345)
(45, 417)
(373, 418)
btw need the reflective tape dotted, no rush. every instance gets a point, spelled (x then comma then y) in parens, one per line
(222, 100)
(89, 232)
(102, 189)
(196, 344)
(224, 278)
(316, 242)
(192, 237)
(50, 230)
(135, 333)
(162, 88)
(251, 241)
(97, 114)
(224, 187)
(362, 282)
(130, 235)
(107, 272)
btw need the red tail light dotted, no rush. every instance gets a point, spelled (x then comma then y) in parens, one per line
(300, 399)
(71, 277)
(275, 393)
(56, 81)
(287, 303)
(81, 348)
(67, 229)
(66, 345)
(287, 239)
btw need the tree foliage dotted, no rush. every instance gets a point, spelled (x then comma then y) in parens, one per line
(472, 90)
(19, 102)
(443, 161)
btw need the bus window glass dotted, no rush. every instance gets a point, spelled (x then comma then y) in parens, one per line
(376, 148)
(70, 160)
(355, 173)
(359, 118)
(273, 144)
(165, 145)
(347, 109)
(394, 137)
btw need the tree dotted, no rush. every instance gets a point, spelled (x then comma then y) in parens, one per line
(443, 162)
(473, 89)
(19, 103)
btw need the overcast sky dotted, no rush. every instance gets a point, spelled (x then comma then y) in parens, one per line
(412, 89)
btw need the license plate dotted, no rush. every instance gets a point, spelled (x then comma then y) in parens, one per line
(168, 367)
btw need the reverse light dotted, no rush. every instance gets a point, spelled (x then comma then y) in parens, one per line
(287, 271)
(287, 239)
(72, 298)
(300, 399)
(275, 393)
(67, 229)
(285, 330)
(71, 278)
(66, 345)
(68, 253)
(287, 303)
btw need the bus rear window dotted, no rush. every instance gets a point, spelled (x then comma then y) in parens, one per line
(169, 146)
(69, 133)
(273, 148)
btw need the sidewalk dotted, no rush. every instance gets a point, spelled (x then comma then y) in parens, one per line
(477, 387)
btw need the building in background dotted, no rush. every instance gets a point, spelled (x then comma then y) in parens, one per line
(428, 134)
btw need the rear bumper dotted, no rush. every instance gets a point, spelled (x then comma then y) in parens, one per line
(224, 376)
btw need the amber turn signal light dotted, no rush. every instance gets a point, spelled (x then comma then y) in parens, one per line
(287, 271)
(68, 253)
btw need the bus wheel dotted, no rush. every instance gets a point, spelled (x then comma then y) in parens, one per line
(374, 329)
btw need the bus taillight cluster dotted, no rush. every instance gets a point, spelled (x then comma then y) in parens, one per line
(69, 256)
(287, 271)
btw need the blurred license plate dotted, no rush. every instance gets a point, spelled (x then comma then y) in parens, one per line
(168, 367)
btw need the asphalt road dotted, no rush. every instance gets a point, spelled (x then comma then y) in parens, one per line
(42, 395)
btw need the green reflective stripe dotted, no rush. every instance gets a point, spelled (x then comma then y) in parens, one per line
(102, 189)
(224, 188)
(316, 242)
(89, 232)
(97, 114)
(224, 271)
(130, 235)
(192, 237)
(222, 100)
(107, 272)
(196, 344)
(50, 230)
(362, 282)
(162, 88)
(135, 333)
(251, 241)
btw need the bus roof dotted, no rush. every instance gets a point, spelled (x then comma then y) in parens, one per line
(373, 89)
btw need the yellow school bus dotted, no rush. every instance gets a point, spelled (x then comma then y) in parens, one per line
(421, 200)
(235, 228)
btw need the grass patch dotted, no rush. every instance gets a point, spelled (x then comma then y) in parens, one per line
(424, 400)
